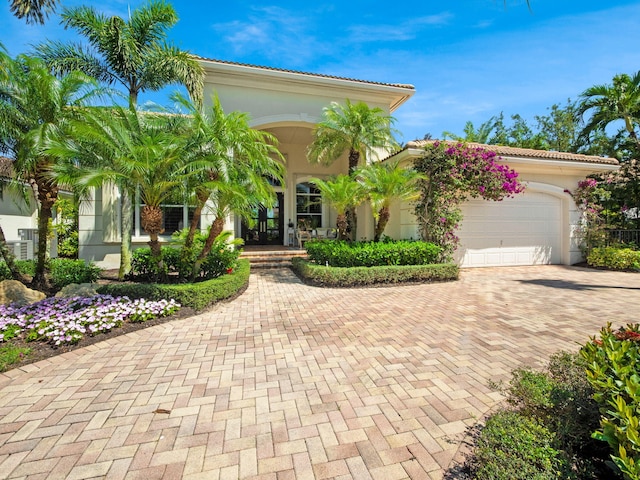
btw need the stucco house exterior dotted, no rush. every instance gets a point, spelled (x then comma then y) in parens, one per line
(536, 227)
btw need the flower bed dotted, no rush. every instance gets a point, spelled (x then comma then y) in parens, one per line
(62, 321)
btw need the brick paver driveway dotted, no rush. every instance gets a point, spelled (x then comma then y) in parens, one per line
(290, 381)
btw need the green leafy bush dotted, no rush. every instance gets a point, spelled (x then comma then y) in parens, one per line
(560, 398)
(613, 366)
(27, 267)
(516, 447)
(179, 262)
(194, 295)
(614, 258)
(145, 269)
(358, 276)
(65, 271)
(338, 253)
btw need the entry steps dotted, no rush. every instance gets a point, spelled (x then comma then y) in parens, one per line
(272, 259)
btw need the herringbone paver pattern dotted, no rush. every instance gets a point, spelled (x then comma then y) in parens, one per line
(290, 381)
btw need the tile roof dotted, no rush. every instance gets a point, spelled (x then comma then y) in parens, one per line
(524, 152)
(320, 75)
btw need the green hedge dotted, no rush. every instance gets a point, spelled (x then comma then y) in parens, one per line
(360, 276)
(338, 253)
(63, 271)
(195, 295)
(614, 258)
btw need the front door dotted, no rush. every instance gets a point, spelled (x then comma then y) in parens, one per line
(268, 225)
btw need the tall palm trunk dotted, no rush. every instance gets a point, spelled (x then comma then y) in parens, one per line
(195, 220)
(47, 193)
(10, 259)
(126, 229)
(151, 222)
(216, 229)
(341, 223)
(383, 219)
(352, 217)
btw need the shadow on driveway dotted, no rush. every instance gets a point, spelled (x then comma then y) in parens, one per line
(570, 285)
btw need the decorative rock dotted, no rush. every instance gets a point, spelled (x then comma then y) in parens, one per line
(78, 290)
(12, 291)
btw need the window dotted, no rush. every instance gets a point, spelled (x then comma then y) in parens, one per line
(308, 205)
(175, 218)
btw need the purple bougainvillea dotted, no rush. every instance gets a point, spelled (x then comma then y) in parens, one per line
(455, 173)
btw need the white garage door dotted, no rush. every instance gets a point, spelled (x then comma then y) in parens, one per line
(525, 230)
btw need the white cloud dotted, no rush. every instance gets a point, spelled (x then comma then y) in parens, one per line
(407, 30)
(274, 33)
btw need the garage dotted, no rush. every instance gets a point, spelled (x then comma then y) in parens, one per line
(524, 230)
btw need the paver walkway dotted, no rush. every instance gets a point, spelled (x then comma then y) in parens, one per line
(290, 381)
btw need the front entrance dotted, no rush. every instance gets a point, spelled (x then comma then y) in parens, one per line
(268, 225)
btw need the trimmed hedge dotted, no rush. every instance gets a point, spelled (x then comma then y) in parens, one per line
(360, 276)
(614, 258)
(197, 295)
(338, 253)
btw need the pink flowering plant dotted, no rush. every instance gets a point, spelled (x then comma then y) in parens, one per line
(62, 321)
(456, 172)
(589, 196)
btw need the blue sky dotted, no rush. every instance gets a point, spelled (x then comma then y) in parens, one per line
(468, 59)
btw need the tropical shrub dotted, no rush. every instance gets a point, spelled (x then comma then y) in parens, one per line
(558, 400)
(193, 295)
(65, 271)
(359, 276)
(516, 447)
(179, 262)
(26, 267)
(614, 258)
(67, 228)
(337, 253)
(454, 173)
(613, 363)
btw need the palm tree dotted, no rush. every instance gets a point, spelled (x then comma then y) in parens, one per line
(134, 54)
(33, 11)
(384, 184)
(36, 107)
(357, 129)
(342, 193)
(144, 152)
(609, 103)
(232, 165)
(481, 135)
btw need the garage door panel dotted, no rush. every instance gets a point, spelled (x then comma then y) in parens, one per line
(525, 230)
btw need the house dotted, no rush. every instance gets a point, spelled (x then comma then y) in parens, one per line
(536, 227)
(287, 104)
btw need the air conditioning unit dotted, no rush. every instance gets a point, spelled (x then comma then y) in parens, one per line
(22, 249)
